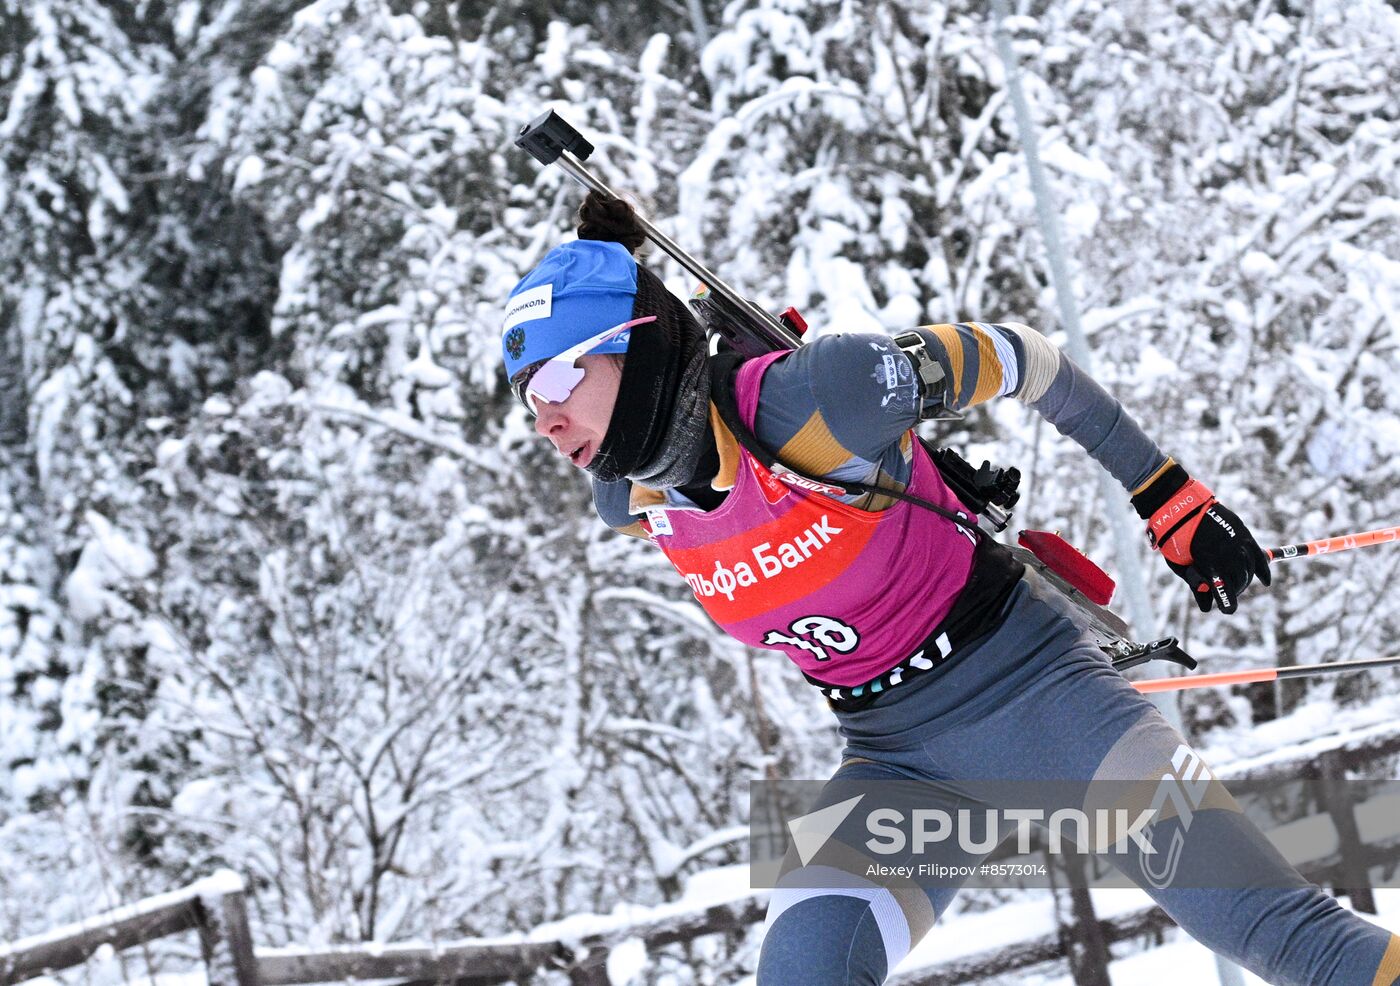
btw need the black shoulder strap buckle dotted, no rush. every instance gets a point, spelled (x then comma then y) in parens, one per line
(932, 380)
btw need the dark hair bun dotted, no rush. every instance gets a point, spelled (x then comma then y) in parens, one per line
(614, 220)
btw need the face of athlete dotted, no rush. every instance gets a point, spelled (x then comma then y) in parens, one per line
(576, 425)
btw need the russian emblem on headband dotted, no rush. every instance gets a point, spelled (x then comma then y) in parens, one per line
(515, 341)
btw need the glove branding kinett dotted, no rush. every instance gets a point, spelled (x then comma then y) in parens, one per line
(1221, 521)
(1217, 560)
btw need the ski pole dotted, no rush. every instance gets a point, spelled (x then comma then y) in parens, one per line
(1329, 545)
(1261, 674)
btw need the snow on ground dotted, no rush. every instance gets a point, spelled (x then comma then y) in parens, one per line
(1315, 726)
(1179, 960)
(720, 885)
(969, 934)
(1182, 960)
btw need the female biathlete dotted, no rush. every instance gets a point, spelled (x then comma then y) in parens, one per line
(942, 658)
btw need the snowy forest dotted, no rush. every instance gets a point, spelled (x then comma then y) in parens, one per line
(287, 584)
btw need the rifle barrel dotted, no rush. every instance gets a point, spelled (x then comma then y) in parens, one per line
(778, 334)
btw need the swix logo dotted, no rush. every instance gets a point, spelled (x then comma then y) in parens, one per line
(775, 482)
(1185, 787)
(817, 635)
(803, 483)
(725, 580)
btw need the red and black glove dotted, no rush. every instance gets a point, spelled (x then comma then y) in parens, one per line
(1202, 541)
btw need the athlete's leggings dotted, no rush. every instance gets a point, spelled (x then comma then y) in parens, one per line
(1036, 701)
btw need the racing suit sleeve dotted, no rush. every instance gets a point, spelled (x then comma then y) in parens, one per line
(981, 361)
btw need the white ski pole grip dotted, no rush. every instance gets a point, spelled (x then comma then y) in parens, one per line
(550, 139)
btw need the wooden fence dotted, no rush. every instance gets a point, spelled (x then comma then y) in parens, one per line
(216, 909)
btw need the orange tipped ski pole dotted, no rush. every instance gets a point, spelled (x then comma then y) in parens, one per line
(1261, 674)
(1323, 546)
(1328, 545)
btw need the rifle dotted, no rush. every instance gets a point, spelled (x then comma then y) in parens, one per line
(989, 492)
(751, 331)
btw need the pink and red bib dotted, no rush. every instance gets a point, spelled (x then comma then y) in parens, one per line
(781, 563)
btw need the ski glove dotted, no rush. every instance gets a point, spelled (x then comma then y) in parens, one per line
(1201, 540)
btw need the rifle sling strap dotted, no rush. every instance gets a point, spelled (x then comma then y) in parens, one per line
(723, 367)
(977, 609)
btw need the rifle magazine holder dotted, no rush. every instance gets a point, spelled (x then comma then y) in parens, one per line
(1071, 564)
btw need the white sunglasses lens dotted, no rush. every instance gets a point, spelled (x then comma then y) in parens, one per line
(556, 380)
(553, 382)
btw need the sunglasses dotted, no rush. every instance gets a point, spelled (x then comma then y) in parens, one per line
(555, 380)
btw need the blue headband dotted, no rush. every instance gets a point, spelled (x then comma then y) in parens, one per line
(577, 290)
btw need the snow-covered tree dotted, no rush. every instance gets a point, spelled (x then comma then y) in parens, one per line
(286, 583)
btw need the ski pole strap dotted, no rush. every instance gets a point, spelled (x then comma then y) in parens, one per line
(1160, 541)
